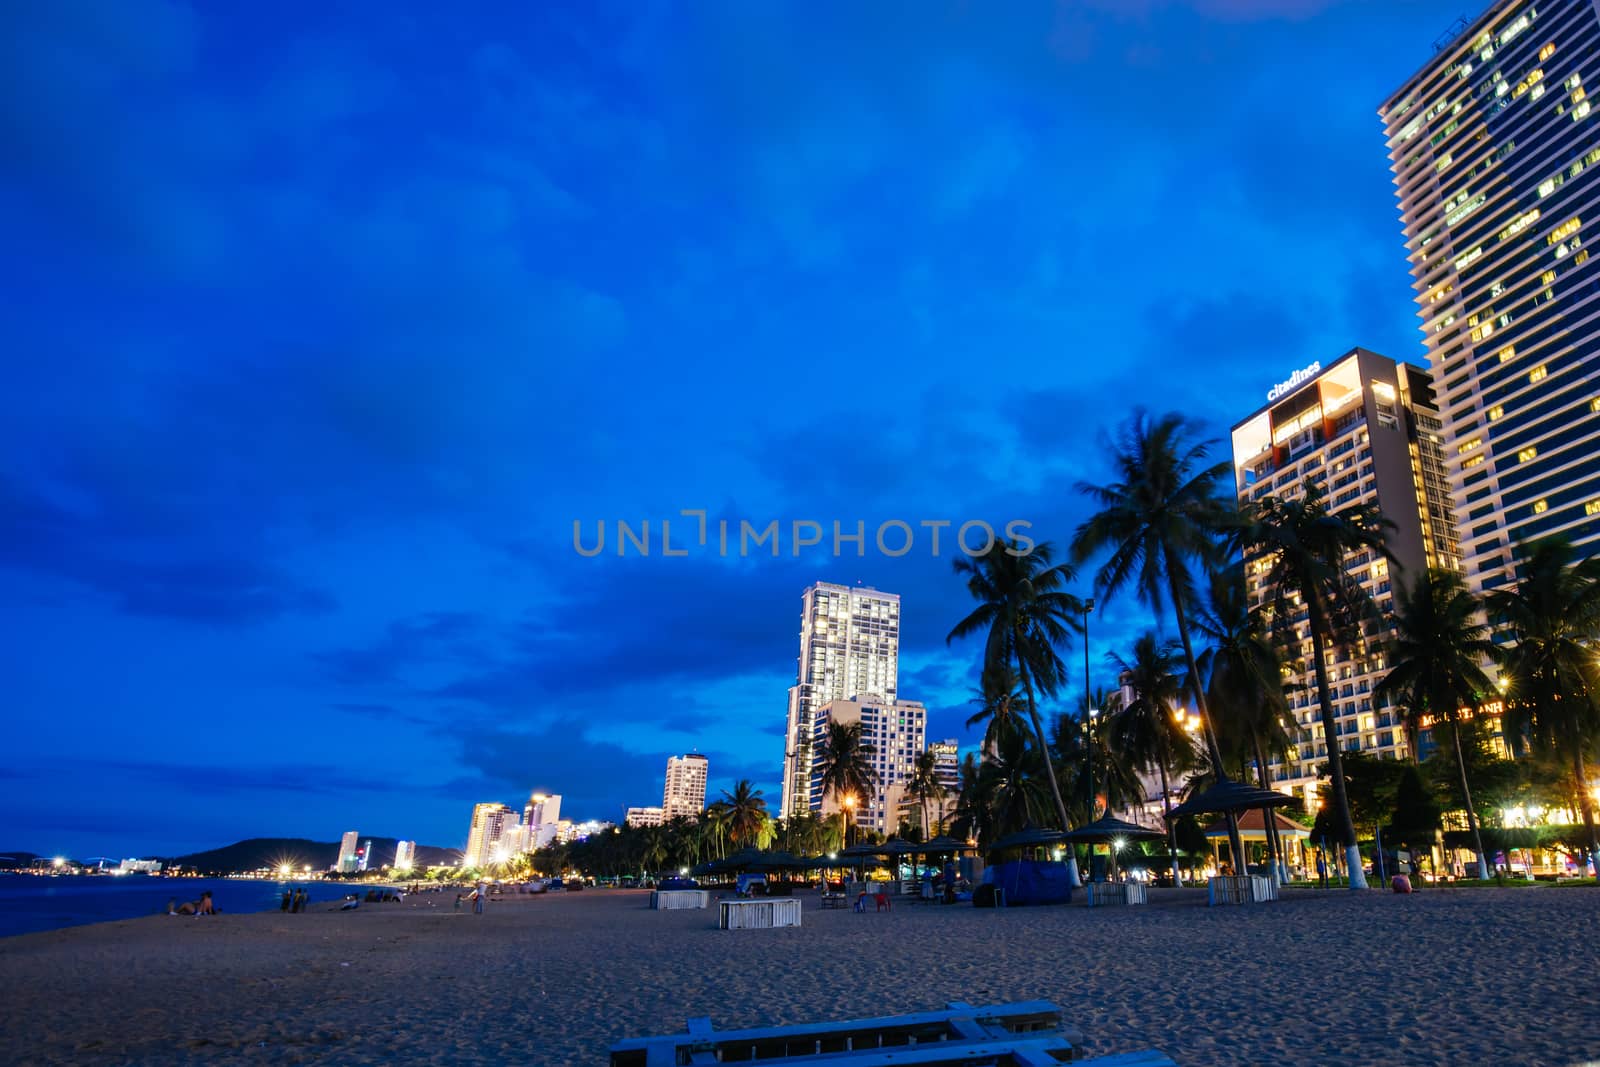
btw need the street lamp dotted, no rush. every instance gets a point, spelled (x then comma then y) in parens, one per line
(849, 802)
(1088, 702)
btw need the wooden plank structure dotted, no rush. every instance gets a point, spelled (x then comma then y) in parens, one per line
(1240, 889)
(1100, 893)
(758, 914)
(679, 899)
(1025, 1034)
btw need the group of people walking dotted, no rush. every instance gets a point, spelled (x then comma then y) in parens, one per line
(294, 900)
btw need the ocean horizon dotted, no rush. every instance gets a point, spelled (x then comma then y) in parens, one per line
(34, 903)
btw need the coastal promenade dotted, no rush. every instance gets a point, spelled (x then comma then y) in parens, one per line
(1441, 977)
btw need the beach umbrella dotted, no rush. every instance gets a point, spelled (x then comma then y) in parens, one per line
(1030, 837)
(940, 845)
(1106, 829)
(1228, 795)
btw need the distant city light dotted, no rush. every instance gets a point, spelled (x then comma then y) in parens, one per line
(57, 862)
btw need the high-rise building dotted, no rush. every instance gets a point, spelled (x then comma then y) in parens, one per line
(364, 855)
(685, 792)
(349, 852)
(897, 732)
(1496, 161)
(947, 762)
(405, 855)
(541, 818)
(645, 817)
(495, 836)
(1364, 431)
(849, 647)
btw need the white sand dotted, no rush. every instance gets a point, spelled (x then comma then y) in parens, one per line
(1441, 977)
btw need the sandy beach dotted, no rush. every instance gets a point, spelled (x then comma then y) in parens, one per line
(1441, 977)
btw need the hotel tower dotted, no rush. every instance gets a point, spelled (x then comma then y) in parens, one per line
(1365, 431)
(685, 790)
(1496, 161)
(849, 647)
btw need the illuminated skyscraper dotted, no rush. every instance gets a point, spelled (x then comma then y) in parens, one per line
(495, 836)
(541, 820)
(349, 852)
(1364, 431)
(897, 732)
(685, 792)
(405, 855)
(849, 647)
(1495, 151)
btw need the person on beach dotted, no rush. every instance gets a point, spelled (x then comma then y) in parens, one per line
(206, 907)
(1322, 870)
(288, 899)
(950, 881)
(300, 900)
(172, 906)
(477, 900)
(458, 901)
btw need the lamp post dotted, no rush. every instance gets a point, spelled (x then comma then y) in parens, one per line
(1088, 702)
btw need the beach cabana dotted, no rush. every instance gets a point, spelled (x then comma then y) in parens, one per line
(1253, 827)
(1023, 877)
(1108, 830)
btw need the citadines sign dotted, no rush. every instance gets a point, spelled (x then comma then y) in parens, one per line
(1297, 379)
(943, 748)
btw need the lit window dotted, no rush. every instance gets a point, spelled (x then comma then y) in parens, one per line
(1472, 461)
(1547, 187)
(1594, 405)
(1508, 353)
(1547, 277)
(1581, 257)
(1538, 373)
(1547, 51)
(1541, 506)
(1581, 111)
(1565, 230)
(1496, 412)
(1526, 454)
(1592, 507)
(1468, 446)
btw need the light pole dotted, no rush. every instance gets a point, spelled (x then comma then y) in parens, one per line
(1088, 702)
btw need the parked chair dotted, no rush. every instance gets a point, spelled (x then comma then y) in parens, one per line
(884, 903)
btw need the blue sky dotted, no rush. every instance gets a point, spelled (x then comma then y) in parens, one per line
(321, 326)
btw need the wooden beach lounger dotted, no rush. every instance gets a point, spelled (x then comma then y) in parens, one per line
(1025, 1034)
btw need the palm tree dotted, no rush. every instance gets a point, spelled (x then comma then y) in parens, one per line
(746, 813)
(1244, 682)
(653, 851)
(1552, 617)
(844, 766)
(1001, 704)
(1162, 516)
(716, 821)
(1437, 658)
(1024, 614)
(973, 819)
(924, 786)
(1013, 784)
(1144, 729)
(1306, 549)
(1088, 765)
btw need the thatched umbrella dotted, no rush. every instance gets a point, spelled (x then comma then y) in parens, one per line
(1107, 830)
(1228, 797)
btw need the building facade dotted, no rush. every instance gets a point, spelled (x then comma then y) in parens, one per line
(685, 792)
(849, 647)
(1496, 161)
(1364, 431)
(541, 820)
(645, 817)
(495, 836)
(349, 852)
(405, 855)
(897, 732)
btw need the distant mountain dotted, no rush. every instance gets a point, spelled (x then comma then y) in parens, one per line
(258, 852)
(17, 858)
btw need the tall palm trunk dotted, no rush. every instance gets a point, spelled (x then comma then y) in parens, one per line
(1330, 734)
(1235, 845)
(1166, 807)
(1049, 767)
(1269, 822)
(1466, 793)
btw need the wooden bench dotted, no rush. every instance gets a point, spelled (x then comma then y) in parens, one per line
(1024, 1034)
(679, 899)
(758, 914)
(1120, 893)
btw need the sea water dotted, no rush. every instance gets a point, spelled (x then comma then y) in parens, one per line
(29, 903)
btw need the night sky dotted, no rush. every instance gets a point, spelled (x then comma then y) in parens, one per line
(321, 328)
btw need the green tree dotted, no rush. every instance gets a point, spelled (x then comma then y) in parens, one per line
(1307, 551)
(1014, 788)
(844, 765)
(1414, 819)
(747, 813)
(1001, 703)
(1024, 615)
(1244, 682)
(1162, 516)
(1437, 656)
(1144, 729)
(925, 788)
(1552, 620)
(973, 818)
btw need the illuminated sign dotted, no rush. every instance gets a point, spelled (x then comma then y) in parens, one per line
(1296, 379)
(1492, 709)
(944, 748)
